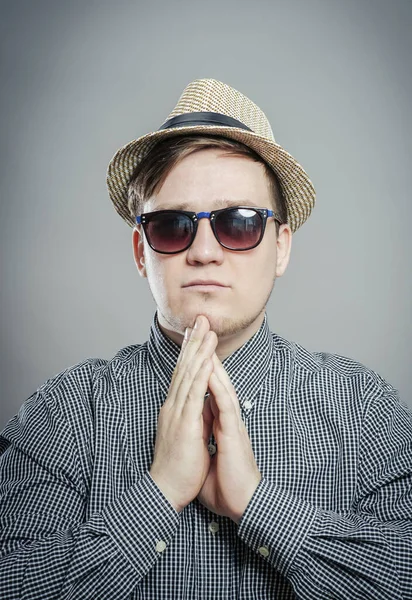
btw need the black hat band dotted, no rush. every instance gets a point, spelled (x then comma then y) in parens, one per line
(203, 118)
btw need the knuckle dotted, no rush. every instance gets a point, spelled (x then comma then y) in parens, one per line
(190, 396)
(165, 412)
(194, 370)
(188, 375)
(193, 339)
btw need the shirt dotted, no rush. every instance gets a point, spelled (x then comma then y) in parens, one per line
(331, 518)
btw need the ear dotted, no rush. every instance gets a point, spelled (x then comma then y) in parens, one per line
(283, 248)
(138, 251)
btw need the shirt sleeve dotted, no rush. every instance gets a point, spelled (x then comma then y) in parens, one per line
(48, 549)
(363, 553)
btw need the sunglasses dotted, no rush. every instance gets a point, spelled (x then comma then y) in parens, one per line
(235, 228)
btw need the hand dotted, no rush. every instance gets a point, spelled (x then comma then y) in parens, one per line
(181, 458)
(233, 475)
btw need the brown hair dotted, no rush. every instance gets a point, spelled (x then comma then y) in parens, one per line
(151, 173)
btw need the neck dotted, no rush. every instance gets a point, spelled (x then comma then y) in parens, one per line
(227, 343)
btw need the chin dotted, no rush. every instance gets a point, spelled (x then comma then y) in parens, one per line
(222, 325)
(228, 326)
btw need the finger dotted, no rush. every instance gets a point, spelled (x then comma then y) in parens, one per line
(186, 336)
(208, 418)
(191, 369)
(224, 378)
(228, 417)
(193, 404)
(195, 336)
(193, 339)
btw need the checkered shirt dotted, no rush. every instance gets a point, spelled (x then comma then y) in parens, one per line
(331, 518)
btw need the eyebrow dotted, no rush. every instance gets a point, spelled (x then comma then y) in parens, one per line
(220, 203)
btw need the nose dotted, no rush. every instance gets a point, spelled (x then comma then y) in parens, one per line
(205, 247)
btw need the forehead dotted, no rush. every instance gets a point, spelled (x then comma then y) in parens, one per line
(213, 179)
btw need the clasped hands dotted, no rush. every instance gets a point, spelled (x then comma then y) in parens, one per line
(182, 467)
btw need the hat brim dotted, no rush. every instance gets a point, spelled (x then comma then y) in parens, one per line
(297, 188)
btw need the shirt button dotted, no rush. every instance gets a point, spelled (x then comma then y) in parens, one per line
(264, 551)
(214, 527)
(247, 405)
(160, 546)
(212, 449)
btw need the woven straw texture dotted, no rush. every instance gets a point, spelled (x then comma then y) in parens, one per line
(209, 95)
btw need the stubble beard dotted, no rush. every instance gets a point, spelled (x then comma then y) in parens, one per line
(222, 325)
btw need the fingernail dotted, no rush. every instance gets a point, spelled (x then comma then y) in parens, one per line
(187, 333)
(196, 323)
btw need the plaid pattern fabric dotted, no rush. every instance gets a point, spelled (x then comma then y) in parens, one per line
(81, 517)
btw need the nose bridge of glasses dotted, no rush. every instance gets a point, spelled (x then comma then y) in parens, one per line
(203, 215)
(210, 216)
(201, 241)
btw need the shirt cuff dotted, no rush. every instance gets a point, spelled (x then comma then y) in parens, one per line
(142, 523)
(275, 524)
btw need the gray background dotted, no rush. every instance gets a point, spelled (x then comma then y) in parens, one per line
(80, 79)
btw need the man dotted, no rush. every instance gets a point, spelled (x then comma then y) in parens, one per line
(218, 460)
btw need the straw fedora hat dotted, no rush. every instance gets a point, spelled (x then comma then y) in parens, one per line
(211, 107)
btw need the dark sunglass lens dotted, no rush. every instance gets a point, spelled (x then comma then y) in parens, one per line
(238, 228)
(169, 232)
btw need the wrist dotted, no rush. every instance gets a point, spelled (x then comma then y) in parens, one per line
(167, 491)
(238, 514)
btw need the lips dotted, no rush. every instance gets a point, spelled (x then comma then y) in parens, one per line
(204, 283)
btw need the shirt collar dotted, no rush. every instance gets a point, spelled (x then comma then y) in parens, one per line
(246, 367)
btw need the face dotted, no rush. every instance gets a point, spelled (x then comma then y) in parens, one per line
(230, 288)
